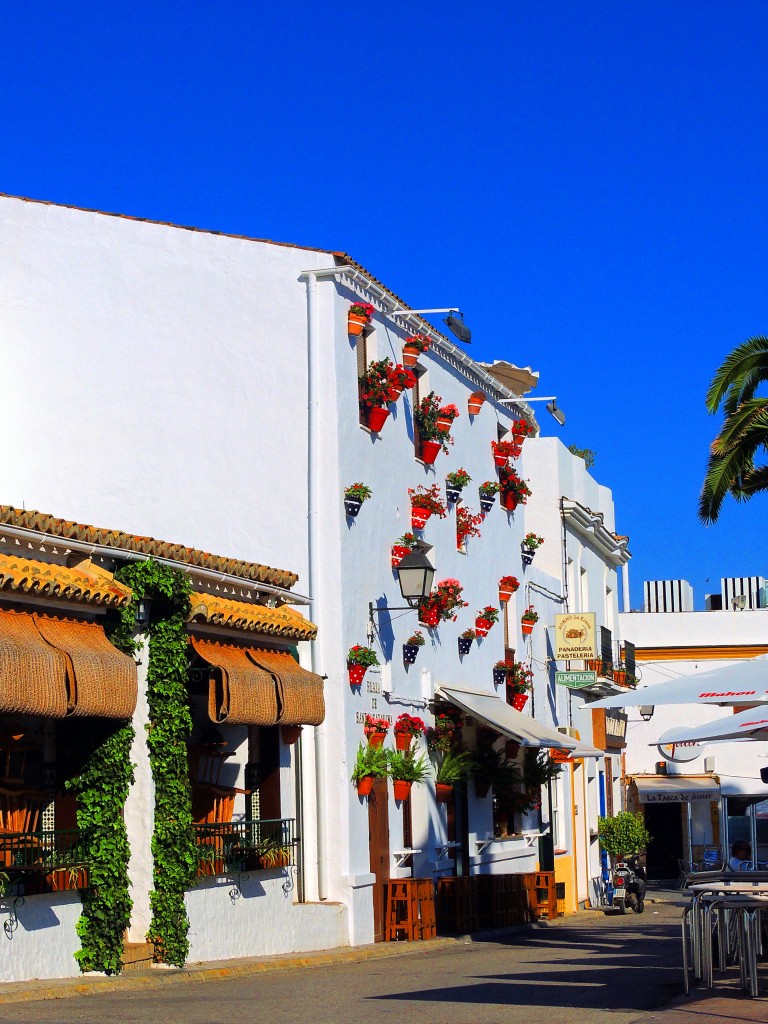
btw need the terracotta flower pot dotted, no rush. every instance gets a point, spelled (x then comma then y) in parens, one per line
(419, 517)
(519, 700)
(356, 674)
(443, 792)
(410, 355)
(465, 644)
(510, 501)
(376, 739)
(365, 785)
(399, 551)
(403, 741)
(402, 788)
(352, 506)
(482, 626)
(377, 417)
(429, 451)
(499, 675)
(290, 733)
(444, 423)
(409, 653)
(527, 627)
(430, 617)
(475, 402)
(356, 323)
(505, 595)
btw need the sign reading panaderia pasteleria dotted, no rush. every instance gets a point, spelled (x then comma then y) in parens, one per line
(575, 636)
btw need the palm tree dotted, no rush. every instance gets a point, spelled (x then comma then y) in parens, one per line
(731, 468)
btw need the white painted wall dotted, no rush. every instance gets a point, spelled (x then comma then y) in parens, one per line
(45, 942)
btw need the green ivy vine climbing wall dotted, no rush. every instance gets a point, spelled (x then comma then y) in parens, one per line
(170, 724)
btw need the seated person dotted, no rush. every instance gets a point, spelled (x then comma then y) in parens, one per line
(741, 853)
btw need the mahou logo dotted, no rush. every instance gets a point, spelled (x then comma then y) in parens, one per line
(730, 693)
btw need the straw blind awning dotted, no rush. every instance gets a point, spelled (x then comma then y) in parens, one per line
(284, 622)
(300, 693)
(101, 681)
(240, 692)
(32, 673)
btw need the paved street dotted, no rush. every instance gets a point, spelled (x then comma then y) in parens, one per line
(592, 968)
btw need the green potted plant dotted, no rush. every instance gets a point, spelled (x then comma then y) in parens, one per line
(413, 347)
(433, 437)
(519, 678)
(354, 496)
(623, 834)
(375, 391)
(507, 587)
(528, 620)
(465, 641)
(529, 546)
(358, 317)
(487, 492)
(405, 769)
(358, 660)
(455, 483)
(451, 768)
(425, 502)
(411, 647)
(370, 763)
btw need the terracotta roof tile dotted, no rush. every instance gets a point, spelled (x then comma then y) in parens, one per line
(27, 576)
(67, 530)
(251, 618)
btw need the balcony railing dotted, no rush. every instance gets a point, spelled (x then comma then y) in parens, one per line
(238, 847)
(45, 861)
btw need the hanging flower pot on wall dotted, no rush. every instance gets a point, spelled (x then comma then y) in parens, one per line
(403, 742)
(419, 517)
(358, 317)
(377, 417)
(487, 502)
(527, 627)
(507, 587)
(409, 653)
(452, 494)
(356, 674)
(352, 506)
(429, 616)
(429, 451)
(443, 792)
(482, 626)
(290, 733)
(401, 788)
(365, 786)
(465, 644)
(475, 402)
(510, 501)
(519, 700)
(499, 676)
(399, 551)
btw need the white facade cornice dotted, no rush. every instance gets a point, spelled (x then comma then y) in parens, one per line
(590, 527)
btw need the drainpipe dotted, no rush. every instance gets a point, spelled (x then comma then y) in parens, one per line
(313, 542)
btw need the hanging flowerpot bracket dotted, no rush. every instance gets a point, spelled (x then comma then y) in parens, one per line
(401, 856)
(442, 850)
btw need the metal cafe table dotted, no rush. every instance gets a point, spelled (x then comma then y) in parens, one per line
(734, 899)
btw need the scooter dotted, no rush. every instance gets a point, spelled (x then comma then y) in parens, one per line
(629, 885)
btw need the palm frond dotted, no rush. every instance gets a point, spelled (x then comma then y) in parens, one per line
(744, 368)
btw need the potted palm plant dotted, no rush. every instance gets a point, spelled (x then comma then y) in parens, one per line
(411, 647)
(358, 660)
(370, 763)
(451, 768)
(405, 769)
(354, 496)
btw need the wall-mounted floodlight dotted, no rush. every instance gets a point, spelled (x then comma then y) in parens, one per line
(558, 414)
(646, 712)
(455, 324)
(551, 400)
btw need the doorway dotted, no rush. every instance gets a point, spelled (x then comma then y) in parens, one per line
(665, 824)
(378, 846)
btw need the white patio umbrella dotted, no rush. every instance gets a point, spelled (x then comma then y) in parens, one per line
(751, 724)
(741, 682)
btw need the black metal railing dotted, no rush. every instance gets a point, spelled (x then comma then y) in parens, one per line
(45, 861)
(237, 847)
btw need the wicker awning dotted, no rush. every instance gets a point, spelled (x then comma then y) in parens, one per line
(250, 618)
(32, 673)
(101, 681)
(240, 692)
(299, 693)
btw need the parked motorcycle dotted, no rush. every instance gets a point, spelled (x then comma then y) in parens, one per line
(629, 885)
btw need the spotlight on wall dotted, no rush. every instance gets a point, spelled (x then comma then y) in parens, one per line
(558, 414)
(646, 712)
(457, 327)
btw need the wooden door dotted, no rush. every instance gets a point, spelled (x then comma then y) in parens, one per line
(378, 846)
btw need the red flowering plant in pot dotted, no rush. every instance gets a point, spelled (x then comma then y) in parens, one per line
(507, 587)
(519, 682)
(467, 524)
(375, 729)
(375, 390)
(407, 728)
(446, 414)
(358, 317)
(358, 660)
(426, 502)
(503, 451)
(354, 496)
(400, 379)
(485, 619)
(442, 603)
(521, 429)
(488, 491)
(528, 620)
(433, 437)
(402, 546)
(514, 491)
(455, 483)
(411, 647)
(530, 544)
(445, 734)
(413, 347)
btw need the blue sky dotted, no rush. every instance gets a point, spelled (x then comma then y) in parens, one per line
(586, 180)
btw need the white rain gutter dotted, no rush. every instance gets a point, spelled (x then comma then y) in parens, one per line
(22, 533)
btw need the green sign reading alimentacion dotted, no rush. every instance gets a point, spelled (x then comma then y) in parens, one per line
(575, 679)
